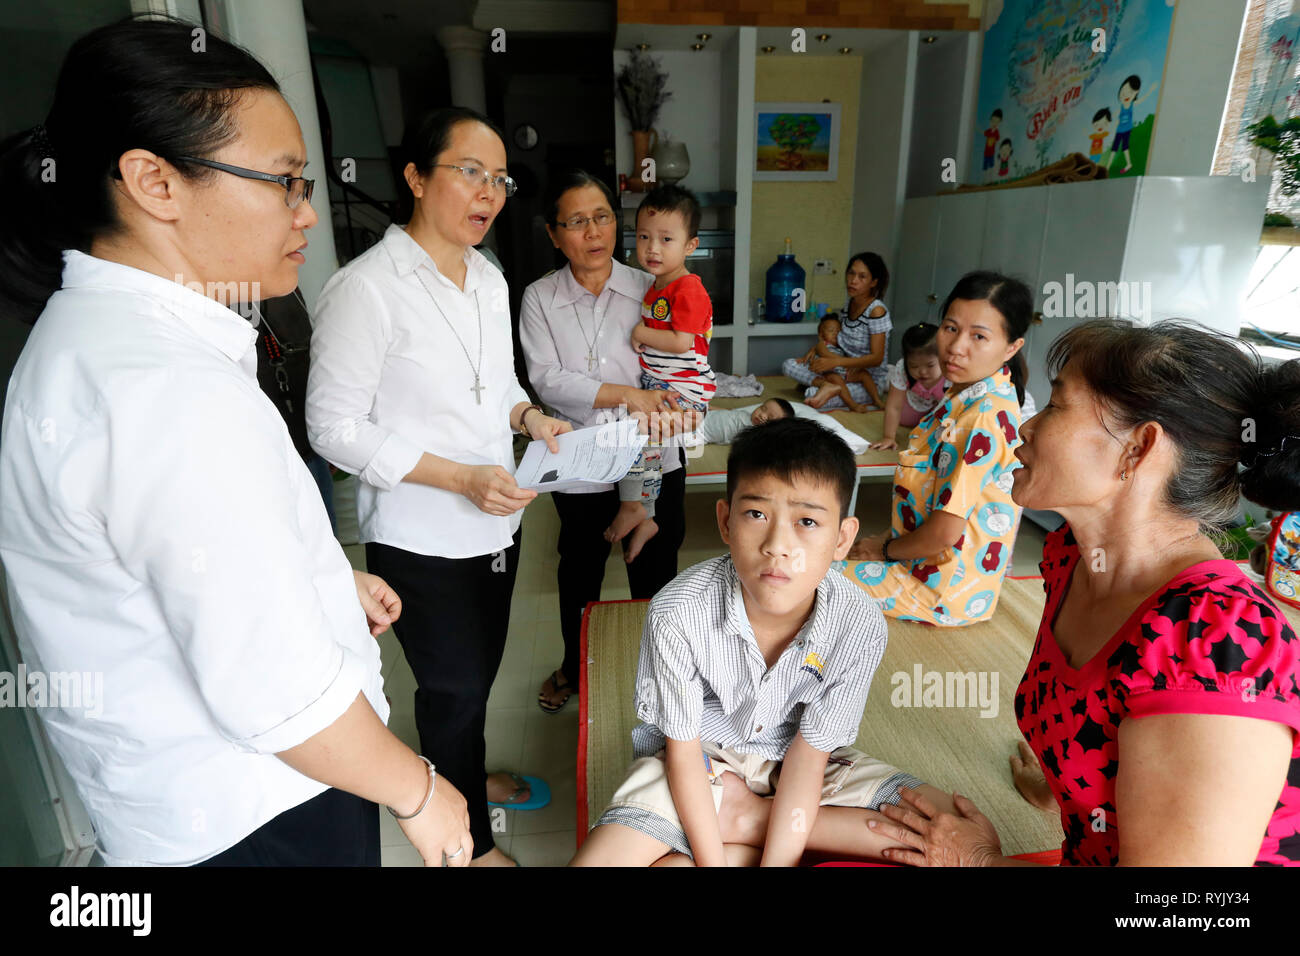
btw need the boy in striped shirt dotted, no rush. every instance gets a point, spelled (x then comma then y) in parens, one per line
(673, 341)
(752, 677)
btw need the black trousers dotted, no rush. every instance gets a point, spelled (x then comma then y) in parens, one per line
(455, 616)
(583, 552)
(335, 828)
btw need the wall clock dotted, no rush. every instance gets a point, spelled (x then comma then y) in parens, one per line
(525, 136)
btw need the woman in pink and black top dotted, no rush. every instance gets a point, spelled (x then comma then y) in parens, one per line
(1161, 699)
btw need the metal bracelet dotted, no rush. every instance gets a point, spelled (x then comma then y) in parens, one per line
(428, 794)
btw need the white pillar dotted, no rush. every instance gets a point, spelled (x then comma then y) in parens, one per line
(275, 32)
(464, 49)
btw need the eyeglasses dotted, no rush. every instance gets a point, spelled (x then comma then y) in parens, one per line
(602, 219)
(296, 189)
(475, 176)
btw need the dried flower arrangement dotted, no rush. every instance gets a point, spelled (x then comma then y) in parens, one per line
(641, 90)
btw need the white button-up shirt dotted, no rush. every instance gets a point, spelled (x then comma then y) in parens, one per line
(159, 529)
(560, 322)
(389, 381)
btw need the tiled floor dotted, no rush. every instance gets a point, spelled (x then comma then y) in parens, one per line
(520, 737)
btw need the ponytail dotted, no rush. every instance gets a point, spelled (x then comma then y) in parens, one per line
(1019, 374)
(1272, 474)
(136, 84)
(31, 237)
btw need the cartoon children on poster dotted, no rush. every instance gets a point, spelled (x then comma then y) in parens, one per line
(1101, 121)
(1128, 99)
(1004, 159)
(1062, 75)
(991, 143)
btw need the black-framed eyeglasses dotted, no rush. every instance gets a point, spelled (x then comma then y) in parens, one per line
(602, 219)
(475, 176)
(296, 189)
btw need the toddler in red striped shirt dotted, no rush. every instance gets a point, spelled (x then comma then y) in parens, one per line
(673, 342)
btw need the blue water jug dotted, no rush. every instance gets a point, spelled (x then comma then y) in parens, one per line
(783, 278)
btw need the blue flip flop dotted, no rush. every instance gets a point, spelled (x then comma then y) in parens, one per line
(539, 794)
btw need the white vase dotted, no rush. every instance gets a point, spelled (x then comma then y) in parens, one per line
(672, 162)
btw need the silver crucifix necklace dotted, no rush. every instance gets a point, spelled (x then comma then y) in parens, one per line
(476, 388)
(591, 342)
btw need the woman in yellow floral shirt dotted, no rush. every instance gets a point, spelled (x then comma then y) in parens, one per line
(952, 519)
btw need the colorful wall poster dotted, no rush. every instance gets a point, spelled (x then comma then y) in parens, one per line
(796, 142)
(1068, 76)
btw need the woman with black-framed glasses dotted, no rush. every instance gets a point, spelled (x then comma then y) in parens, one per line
(412, 388)
(156, 524)
(296, 189)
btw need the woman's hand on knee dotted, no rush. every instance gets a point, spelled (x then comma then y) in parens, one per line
(935, 837)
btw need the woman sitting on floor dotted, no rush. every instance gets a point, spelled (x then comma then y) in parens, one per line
(863, 336)
(1139, 450)
(953, 521)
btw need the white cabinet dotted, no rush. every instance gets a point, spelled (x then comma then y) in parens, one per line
(1014, 227)
(1084, 237)
(911, 297)
(1143, 248)
(961, 236)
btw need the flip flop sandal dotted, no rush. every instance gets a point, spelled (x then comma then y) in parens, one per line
(539, 794)
(560, 688)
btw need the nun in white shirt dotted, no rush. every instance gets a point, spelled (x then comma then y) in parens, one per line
(412, 388)
(575, 326)
(157, 526)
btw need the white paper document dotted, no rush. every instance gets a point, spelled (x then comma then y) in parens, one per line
(600, 454)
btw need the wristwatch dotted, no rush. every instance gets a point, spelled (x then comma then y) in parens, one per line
(884, 549)
(523, 429)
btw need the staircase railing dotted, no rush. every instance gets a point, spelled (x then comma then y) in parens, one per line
(351, 193)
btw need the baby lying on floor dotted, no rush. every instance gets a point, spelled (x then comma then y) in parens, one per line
(722, 425)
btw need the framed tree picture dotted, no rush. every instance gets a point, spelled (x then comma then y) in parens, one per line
(796, 142)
